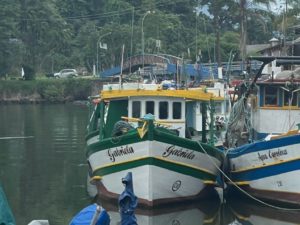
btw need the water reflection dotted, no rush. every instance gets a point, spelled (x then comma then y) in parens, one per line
(248, 212)
(43, 176)
(232, 212)
(195, 213)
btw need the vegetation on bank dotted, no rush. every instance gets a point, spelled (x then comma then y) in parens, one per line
(47, 36)
(46, 90)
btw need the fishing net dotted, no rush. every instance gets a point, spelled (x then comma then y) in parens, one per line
(239, 124)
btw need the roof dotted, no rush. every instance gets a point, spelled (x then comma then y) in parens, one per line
(256, 48)
(191, 94)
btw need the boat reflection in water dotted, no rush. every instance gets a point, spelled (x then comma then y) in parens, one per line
(194, 213)
(247, 213)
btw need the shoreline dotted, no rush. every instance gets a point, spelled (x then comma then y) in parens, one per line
(50, 91)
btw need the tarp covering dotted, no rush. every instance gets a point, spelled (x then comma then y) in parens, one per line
(6, 216)
(128, 202)
(85, 216)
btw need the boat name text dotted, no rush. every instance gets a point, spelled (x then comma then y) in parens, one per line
(171, 150)
(272, 154)
(121, 151)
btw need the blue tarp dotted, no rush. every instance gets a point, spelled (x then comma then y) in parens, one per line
(128, 202)
(197, 70)
(85, 216)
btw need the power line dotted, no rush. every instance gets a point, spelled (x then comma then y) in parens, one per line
(101, 15)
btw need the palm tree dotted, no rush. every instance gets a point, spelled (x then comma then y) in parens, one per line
(247, 8)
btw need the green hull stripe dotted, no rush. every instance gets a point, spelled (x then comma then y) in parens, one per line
(156, 162)
(129, 138)
(133, 137)
(187, 143)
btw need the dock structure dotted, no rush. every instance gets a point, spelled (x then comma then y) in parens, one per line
(168, 64)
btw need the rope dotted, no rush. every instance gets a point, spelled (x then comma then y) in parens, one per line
(240, 189)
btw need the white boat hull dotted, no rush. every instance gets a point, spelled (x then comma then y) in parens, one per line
(268, 169)
(161, 172)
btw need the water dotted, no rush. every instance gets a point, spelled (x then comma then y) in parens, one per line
(44, 176)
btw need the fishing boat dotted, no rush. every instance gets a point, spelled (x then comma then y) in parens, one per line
(160, 135)
(263, 136)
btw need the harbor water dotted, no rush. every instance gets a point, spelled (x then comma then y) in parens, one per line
(43, 173)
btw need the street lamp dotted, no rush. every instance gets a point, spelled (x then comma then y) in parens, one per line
(98, 42)
(143, 42)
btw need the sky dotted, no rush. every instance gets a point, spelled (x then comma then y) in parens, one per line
(278, 7)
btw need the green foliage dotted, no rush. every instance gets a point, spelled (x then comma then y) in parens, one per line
(52, 35)
(54, 93)
(229, 42)
(8, 33)
(29, 73)
(49, 90)
(79, 89)
(54, 90)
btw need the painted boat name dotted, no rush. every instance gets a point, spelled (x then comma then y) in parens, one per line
(272, 154)
(119, 152)
(171, 150)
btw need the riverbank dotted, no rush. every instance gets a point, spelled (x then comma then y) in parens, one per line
(48, 90)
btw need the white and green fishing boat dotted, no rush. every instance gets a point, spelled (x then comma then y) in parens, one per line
(158, 135)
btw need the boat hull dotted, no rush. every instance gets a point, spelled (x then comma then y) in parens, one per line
(165, 168)
(267, 169)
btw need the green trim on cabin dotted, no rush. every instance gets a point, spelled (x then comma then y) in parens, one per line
(197, 173)
(116, 110)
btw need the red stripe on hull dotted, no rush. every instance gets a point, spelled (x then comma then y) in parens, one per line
(207, 192)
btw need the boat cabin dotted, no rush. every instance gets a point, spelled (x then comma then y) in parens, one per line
(277, 106)
(178, 110)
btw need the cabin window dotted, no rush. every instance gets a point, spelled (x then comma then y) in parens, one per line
(176, 110)
(218, 107)
(286, 98)
(150, 107)
(136, 109)
(163, 110)
(271, 96)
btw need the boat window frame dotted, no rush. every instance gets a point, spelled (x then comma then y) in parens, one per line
(269, 95)
(218, 107)
(146, 107)
(133, 111)
(294, 100)
(162, 111)
(178, 108)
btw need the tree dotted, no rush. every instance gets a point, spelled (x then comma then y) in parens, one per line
(43, 32)
(218, 10)
(9, 43)
(247, 9)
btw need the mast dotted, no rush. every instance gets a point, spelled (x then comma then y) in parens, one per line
(121, 73)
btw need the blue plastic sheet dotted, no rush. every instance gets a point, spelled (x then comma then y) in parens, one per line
(128, 202)
(85, 216)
